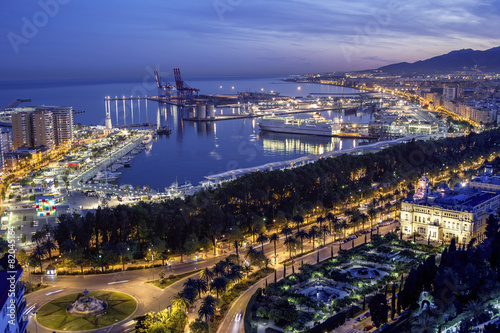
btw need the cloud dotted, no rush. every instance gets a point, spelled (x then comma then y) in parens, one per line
(121, 38)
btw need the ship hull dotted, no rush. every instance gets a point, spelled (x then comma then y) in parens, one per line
(296, 130)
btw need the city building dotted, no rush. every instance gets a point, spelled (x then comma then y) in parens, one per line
(446, 214)
(22, 130)
(43, 129)
(5, 147)
(12, 301)
(48, 126)
(486, 181)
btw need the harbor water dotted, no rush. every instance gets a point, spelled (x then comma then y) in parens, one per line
(193, 149)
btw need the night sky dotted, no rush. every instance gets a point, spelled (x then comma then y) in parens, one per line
(119, 39)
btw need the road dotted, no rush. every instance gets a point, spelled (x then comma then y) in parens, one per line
(229, 325)
(129, 282)
(133, 283)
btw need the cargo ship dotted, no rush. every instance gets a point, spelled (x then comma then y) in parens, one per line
(316, 125)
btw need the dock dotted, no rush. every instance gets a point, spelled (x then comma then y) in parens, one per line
(134, 125)
(261, 114)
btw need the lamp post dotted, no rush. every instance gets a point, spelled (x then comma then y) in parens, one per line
(36, 323)
(152, 265)
(29, 274)
(158, 303)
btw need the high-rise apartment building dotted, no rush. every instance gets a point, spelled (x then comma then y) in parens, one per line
(5, 147)
(48, 126)
(43, 128)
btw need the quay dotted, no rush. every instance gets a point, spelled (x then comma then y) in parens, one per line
(77, 183)
(219, 178)
(261, 114)
(134, 125)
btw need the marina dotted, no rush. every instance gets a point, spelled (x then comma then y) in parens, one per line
(187, 145)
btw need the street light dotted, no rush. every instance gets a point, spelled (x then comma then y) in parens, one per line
(158, 303)
(152, 265)
(36, 323)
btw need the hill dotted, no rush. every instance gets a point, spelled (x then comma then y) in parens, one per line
(459, 60)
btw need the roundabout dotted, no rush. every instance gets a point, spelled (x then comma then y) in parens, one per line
(86, 310)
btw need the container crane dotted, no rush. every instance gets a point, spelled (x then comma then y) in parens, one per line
(184, 92)
(163, 89)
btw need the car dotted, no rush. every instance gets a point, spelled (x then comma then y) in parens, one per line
(368, 327)
(238, 316)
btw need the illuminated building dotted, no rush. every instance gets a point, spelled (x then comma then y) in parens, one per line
(48, 126)
(45, 206)
(446, 214)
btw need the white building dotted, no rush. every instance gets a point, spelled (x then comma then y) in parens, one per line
(446, 214)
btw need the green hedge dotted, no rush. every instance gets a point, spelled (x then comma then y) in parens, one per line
(248, 312)
(332, 322)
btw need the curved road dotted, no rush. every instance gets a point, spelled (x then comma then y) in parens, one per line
(229, 325)
(150, 298)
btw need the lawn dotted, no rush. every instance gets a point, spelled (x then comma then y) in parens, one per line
(171, 279)
(53, 315)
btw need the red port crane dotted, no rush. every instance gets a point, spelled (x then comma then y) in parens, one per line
(183, 90)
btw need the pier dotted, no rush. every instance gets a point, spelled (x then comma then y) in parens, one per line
(77, 182)
(262, 114)
(135, 125)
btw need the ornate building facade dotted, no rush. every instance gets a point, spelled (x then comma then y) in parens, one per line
(446, 214)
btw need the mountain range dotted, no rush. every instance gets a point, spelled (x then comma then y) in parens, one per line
(459, 60)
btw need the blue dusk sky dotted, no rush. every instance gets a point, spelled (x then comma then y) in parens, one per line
(119, 39)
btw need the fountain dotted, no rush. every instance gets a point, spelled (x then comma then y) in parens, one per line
(364, 273)
(86, 306)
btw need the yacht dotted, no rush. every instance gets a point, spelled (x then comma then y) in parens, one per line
(107, 175)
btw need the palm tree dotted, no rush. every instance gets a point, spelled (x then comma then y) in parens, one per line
(236, 273)
(474, 309)
(67, 246)
(236, 245)
(49, 245)
(372, 212)
(250, 251)
(298, 220)
(38, 237)
(201, 286)
(324, 230)
(220, 268)
(274, 238)
(122, 249)
(262, 239)
(290, 242)
(363, 217)
(190, 283)
(219, 284)
(181, 302)
(206, 274)
(38, 253)
(207, 308)
(301, 234)
(424, 324)
(313, 233)
(331, 219)
(320, 219)
(287, 231)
